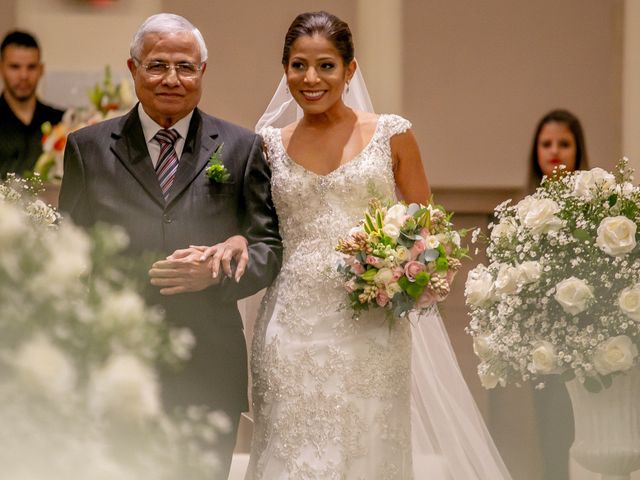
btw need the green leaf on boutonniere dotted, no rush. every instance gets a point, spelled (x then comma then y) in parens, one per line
(216, 171)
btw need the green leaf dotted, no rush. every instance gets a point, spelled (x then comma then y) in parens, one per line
(423, 278)
(606, 380)
(379, 221)
(567, 375)
(581, 234)
(369, 274)
(368, 221)
(414, 290)
(613, 198)
(442, 264)
(592, 385)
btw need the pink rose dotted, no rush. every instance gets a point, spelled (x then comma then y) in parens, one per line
(417, 248)
(350, 286)
(374, 261)
(413, 268)
(382, 298)
(427, 298)
(357, 268)
(398, 272)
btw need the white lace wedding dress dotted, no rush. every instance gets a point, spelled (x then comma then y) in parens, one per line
(331, 394)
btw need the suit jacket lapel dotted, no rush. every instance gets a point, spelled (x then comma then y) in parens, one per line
(131, 149)
(202, 139)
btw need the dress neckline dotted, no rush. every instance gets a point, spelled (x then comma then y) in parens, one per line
(339, 167)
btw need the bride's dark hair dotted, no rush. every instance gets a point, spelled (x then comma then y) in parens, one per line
(324, 24)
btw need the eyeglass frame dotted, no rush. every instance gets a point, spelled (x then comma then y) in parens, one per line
(168, 67)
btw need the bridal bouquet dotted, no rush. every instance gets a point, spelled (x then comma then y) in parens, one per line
(561, 294)
(79, 394)
(400, 258)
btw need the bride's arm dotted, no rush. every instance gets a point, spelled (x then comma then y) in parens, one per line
(408, 170)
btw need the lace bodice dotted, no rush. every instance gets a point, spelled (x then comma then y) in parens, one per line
(315, 210)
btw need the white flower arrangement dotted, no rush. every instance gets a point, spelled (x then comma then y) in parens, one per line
(561, 294)
(79, 393)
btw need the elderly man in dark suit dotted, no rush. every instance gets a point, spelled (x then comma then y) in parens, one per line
(146, 171)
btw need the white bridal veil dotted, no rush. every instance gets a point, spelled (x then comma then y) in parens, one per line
(449, 437)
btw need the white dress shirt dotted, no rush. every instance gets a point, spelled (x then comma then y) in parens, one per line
(150, 128)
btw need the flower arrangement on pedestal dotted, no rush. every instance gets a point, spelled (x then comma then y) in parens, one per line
(79, 395)
(107, 100)
(561, 294)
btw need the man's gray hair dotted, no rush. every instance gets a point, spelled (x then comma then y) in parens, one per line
(165, 23)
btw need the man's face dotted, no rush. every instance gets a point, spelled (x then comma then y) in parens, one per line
(21, 70)
(167, 97)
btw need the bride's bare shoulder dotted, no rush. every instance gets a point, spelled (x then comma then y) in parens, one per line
(367, 118)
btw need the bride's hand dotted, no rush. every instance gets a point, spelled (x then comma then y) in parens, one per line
(234, 248)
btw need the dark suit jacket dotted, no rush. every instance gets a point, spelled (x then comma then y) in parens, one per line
(109, 177)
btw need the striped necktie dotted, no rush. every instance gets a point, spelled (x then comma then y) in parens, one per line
(168, 159)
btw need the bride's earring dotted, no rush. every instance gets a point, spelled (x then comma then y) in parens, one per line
(347, 86)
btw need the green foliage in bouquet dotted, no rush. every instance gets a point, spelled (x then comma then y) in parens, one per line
(561, 294)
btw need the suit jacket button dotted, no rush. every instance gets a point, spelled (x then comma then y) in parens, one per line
(166, 219)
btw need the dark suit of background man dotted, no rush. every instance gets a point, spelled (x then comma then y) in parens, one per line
(21, 114)
(109, 176)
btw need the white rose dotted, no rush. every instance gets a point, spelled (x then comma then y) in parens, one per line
(391, 231)
(629, 302)
(478, 289)
(539, 215)
(490, 380)
(544, 357)
(125, 388)
(507, 279)
(395, 215)
(573, 295)
(529, 271)
(586, 182)
(44, 366)
(393, 288)
(616, 235)
(402, 253)
(431, 242)
(505, 229)
(383, 277)
(615, 355)
(482, 346)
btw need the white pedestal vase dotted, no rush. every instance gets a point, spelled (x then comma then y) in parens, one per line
(607, 426)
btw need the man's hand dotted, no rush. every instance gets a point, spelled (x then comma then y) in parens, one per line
(182, 271)
(234, 248)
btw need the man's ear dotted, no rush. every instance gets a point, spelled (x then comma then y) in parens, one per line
(131, 65)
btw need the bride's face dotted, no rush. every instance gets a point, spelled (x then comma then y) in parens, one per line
(316, 74)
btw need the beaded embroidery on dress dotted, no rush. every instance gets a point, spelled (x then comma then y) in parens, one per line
(331, 394)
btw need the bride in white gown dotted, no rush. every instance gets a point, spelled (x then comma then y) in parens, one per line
(336, 397)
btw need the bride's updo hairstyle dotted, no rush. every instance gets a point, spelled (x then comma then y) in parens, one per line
(324, 24)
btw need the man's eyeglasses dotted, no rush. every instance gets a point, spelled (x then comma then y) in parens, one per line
(182, 69)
